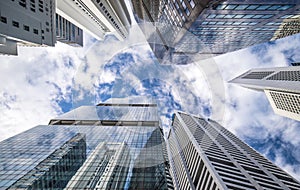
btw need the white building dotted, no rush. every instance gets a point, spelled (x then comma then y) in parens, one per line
(26, 22)
(281, 85)
(205, 155)
(97, 17)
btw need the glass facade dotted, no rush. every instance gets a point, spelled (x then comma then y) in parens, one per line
(56, 170)
(116, 113)
(113, 156)
(209, 28)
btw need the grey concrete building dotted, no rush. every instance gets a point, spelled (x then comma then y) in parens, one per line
(205, 155)
(27, 23)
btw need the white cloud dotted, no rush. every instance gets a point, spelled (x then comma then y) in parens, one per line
(36, 79)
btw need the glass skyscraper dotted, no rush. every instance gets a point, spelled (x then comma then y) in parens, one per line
(114, 145)
(184, 28)
(205, 155)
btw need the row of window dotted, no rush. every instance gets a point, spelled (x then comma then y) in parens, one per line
(265, 28)
(228, 23)
(222, 28)
(32, 4)
(286, 101)
(202, 32)
(274, 23)
(252, 7)
(109, 16)
(25, 27)
(291, 16)
(239, 16)
(92, 17)
(231, 34)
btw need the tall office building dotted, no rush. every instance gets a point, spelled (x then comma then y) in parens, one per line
(211, 27)
(56, 170)
(27, 23)
(204, 155)
(123, 143)
(281, 85)
(97, 17)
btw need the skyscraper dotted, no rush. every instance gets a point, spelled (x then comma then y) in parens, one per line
(97, 17)
(209, 28)
(35, 23)
(28, 23)
(204, 155)
(281, 86)
(57, 169)
(123, 143)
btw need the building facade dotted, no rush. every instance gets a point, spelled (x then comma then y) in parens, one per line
(104, 169)
(125, 148)
(213, 27)
(97, 17)
(28, 23)
(57, 169)
(35, 22)
(67, 32)
(204, 155)
(281, 85)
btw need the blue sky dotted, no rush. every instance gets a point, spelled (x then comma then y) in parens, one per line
(42, 83)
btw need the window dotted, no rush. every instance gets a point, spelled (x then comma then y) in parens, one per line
(35, 31)
(252, 7)
(221, 7)
(258, 16)
(192, 3)
(230, 7)
(15, 24)
(263, 7)
(229, 16)
(287, 16)
(267, 16)
(25, 27)
(187, 11)
(3, 19)
(285, 7)
(220, 16)
(241, 7)
(183, 5)
(274, 7)
(239, 16)
(248, 16)
(211, 16)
